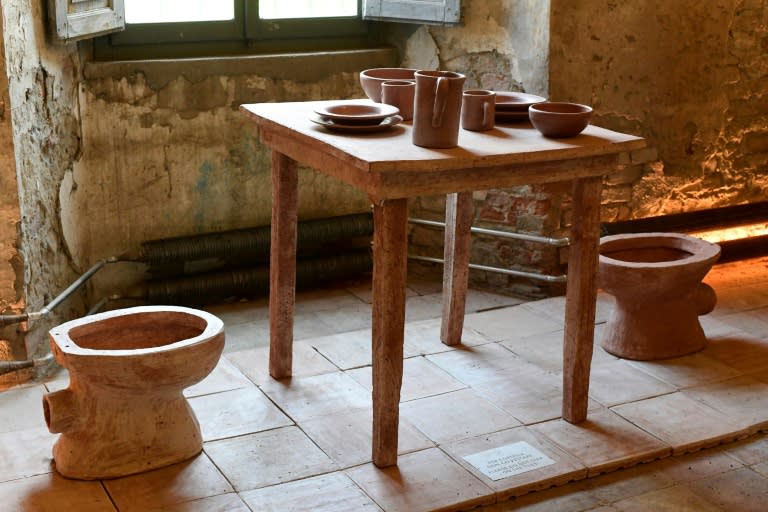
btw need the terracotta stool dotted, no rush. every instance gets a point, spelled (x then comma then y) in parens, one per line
(124, 411)
(656, 280)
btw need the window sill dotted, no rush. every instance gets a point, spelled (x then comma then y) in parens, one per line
(300, 67)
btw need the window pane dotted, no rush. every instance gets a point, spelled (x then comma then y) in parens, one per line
(164, 11)
(280, 9)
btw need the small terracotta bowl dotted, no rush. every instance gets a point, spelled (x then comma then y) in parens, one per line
(559, 119)
(371, 79)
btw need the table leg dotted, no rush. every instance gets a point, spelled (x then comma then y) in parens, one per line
(390, 252)
(282, 264)
(459, 211)
(581, 294)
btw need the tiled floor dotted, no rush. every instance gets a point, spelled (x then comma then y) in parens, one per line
(304, 444)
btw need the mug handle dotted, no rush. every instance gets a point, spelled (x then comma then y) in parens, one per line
(441, 100)
(486, 112)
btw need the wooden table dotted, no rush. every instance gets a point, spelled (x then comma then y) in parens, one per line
(390, 169)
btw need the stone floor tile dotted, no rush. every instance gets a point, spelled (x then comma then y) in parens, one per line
(268, 458)
(672, 499)
(346, 350)
(307, 361)
(25, 453)
(527, 392)
(604, 441)
(238, 412)
(680, 421)
(333, 492)
(741, 298)
(474, 365)
(616, 382)
(423, 337)
(742, 490)
(229, 502)
(241, 312)
(246, 336)
(347, 437)
(22, 408)
(327, 299)
(687, 371)
(421, 378)
(546, 351)
(506, 323)
(625, 483)
(457, 415)
(697, 465)
(744, 400)
(225, 377)
(318, 395)
(422, 481)
(742, 351)
(573, 498)
(560, 469)
(53, 493)
(749, 451)
(186, 481)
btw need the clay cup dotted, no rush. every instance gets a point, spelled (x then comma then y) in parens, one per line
(400, 94)
(478, 110)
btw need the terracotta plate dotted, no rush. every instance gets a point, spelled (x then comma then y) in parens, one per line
(512, 115)
(516, 101)
(335, 126)
(357, 113)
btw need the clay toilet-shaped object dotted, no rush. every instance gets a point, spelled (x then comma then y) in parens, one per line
(656, 281)
(124, 411)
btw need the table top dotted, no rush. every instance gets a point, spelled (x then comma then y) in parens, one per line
(387, 164)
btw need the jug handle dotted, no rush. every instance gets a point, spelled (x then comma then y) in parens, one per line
(441, 99)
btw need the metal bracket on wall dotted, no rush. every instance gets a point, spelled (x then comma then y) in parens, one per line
(555, 242)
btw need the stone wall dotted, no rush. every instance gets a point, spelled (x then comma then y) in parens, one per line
(690, 77)
(11, 300)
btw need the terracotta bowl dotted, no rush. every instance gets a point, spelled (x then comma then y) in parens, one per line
(559, 119)
(371, 79)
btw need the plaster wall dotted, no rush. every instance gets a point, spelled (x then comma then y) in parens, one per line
(45, 141)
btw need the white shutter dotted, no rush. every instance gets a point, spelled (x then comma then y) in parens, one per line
(443, 12)
(72, 20)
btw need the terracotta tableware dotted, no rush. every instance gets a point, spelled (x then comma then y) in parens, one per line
(437, 108)
(400, 94)
(371, 79)
(357, 113)
(559, 119)
(478, 109)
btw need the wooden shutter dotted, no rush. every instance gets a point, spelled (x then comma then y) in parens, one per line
(443, 12)
(72, 20)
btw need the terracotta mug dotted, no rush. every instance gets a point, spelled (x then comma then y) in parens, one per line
(400, 94)
(478, 110)
(437, 108)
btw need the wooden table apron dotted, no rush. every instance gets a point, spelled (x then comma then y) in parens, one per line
(390, 170)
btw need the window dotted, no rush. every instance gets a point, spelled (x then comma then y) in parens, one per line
(189, 27)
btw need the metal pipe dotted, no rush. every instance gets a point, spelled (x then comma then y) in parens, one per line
(12, 366)
(507, 271)
(556, 242)
(48, 308)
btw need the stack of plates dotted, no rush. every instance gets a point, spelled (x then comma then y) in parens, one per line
(513, 106)
(357, 117)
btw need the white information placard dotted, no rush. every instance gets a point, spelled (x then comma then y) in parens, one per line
(509, 460)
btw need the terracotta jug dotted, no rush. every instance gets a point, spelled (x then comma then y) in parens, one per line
(437, 108)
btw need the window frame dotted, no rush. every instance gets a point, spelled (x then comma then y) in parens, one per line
(247, 34)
